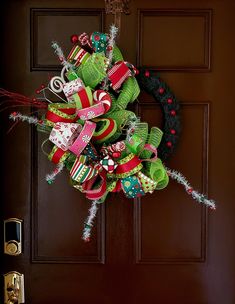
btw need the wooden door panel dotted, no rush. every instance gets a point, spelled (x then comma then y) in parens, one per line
(57, 24)
(164, 248)
(180, 226)
(182, 41)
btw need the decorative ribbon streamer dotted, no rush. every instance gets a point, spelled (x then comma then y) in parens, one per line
(93, 71)
(83, 138)
(72, 87)
(101, 106)
(127, 166)
(97, 192)
(147, 183)
(106, 131)
(157, 172)
(57, 155)
(80, 172)
(118, 74)
(78, 55)
(63, 134)
(60, 112)
(132, 187)
(99, 42)
(83, 98)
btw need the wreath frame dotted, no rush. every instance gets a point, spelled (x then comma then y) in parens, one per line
(170, 106)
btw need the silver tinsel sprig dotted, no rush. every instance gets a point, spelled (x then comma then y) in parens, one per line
(16, 116)
(52, 176)
(199, 197)
(109, 54)
(60, 54)
(90, 221)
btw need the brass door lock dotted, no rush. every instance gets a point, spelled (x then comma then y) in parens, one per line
(13, 288)
(13, 236)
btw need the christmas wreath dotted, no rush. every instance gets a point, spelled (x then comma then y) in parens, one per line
(104, 146)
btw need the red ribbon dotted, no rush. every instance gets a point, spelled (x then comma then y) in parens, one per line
(97, 193)
(53, 117)
(57, 155)
(128, 166)
(106, 132)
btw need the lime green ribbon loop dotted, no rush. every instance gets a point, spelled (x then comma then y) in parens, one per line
(154, 139)
(157, 172)
(135, 144)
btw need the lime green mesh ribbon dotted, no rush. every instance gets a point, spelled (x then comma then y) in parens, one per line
(117, 55)
(136, 141)
(93, 71)
(130, 91)
(154, 139)
(158, 173)
(122, 117)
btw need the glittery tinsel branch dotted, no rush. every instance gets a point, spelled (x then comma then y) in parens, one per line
(111, 42)
(109, 55)
(90, 221)
(52, 176)
(61, 56)
(199, 197)
(131, 126)
(16, 116)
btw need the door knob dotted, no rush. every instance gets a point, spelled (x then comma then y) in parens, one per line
(13, 288)
(13, 236)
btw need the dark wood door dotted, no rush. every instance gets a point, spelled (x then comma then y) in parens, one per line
(165, 248)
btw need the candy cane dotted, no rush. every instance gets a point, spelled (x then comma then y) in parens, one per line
(104, 98)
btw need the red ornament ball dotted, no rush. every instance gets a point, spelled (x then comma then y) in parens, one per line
(173, 113)
(161, 90)
(97, 38)
(190, 190)
(146, 73)
(74, 38)
(169, 100)
(42, 86)
(116, 154)
(37, 91)
(87, 240)
(173, 131)
(169, 144)
(109, 48)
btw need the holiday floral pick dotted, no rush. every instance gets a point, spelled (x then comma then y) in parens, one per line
(105, 147)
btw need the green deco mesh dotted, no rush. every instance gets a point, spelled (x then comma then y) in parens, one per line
(158, 173)
(122, 117)
(117, 55)
(141, 130)
(154, 138)
(130, 91)
(92, 72)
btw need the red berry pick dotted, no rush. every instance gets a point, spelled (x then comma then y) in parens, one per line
(161, 90)
(147, 74)
(169, 144)
(74, 38)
